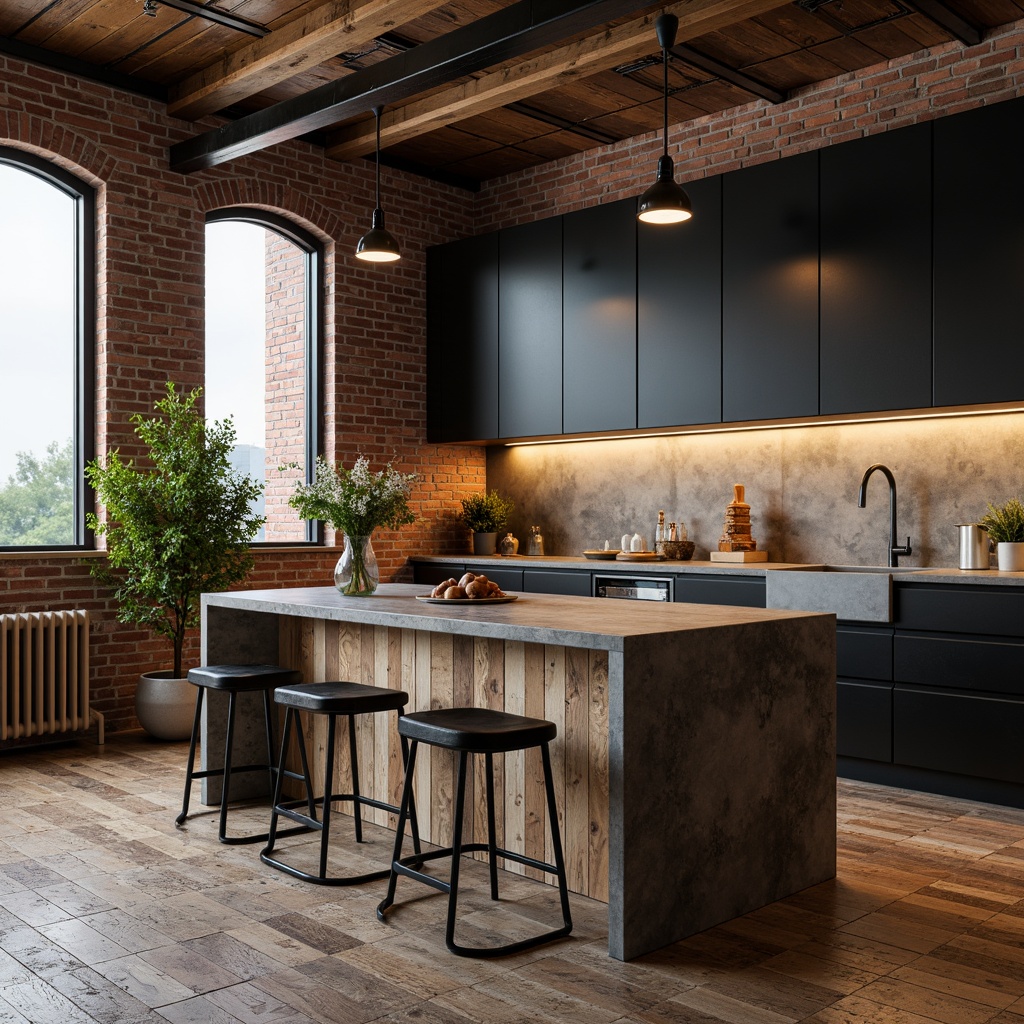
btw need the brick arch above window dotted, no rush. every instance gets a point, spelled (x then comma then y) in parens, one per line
(58, 143)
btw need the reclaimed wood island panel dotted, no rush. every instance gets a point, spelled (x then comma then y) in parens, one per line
(695, 759)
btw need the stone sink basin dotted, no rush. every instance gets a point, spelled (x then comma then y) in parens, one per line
(856, 593)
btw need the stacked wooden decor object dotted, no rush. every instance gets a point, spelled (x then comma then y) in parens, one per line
(737, 543)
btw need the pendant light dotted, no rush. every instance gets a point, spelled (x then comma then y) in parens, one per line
(378, 245)
(665, 202)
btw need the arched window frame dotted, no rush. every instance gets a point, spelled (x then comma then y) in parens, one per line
(84, 198)
(313, 249)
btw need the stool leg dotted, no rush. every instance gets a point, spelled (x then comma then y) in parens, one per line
(357, 810)
(453, 878)
(491, 831)
(413, 823)
(403, 813)
(556, 839)
(191, 756)
(272, 834)
(304, 760)
(226, 780)
(328, 795)
(268, 717)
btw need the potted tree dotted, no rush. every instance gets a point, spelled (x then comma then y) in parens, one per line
(178, 523)
(486, 514)
(1005, 526)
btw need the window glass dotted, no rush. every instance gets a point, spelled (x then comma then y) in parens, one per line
(260, 342)
(42, 347)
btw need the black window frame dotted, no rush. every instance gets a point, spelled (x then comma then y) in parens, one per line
(313, 249)
(84, 441)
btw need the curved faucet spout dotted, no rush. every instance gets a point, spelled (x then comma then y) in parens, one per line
(894, 550)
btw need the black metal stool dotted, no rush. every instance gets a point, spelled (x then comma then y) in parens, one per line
(487, 732)
(331, 699)
(233, 680)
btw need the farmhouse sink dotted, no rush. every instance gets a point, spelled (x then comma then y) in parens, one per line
(856, 593)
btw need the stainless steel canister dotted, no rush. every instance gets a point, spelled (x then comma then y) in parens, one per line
(974, 546)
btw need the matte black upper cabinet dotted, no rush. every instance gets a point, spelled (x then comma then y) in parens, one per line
(770, 290)
(876, 324)
(979, 255)
(599, 318)
(530, 329)
(679, 314)
(462, 339)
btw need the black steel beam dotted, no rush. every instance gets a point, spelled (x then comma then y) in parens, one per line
(727, 74)
(506, 34)
(583, 130)
(218, 16)
(948, 19)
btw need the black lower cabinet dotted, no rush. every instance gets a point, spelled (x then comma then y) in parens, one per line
(568, 582)
(430, 575)
(507, 579)
(960, 732)
(864, 720)
(744, 591)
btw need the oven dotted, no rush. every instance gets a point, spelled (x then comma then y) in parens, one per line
(634, 588)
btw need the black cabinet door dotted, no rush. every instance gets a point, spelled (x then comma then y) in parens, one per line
(743, 591)
(464, 333)
(876, 314)
(864, 720)
(530, 329)
(431, 574)
(543, 581)
(679, 314)
(979, 258)
(599, 318)
(770, 290)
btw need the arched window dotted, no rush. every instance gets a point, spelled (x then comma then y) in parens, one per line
(47, 325)
(263, 288)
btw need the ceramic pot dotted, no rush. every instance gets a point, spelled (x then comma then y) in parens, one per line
(357, 573)
(1010, 557)
(484, 543)
(165, 706)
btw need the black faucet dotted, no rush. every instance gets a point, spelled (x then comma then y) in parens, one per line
(894, 551)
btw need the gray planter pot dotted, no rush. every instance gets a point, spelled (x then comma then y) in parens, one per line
(165, 706)
(484, 543)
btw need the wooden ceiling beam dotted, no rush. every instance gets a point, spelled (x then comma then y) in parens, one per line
(517, 81)
(294, 47)
(520, 28)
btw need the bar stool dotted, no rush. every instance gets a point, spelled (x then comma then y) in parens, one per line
(332, 700)
(487, 732)
(233, 680)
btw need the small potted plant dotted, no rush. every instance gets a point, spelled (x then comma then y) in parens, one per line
(1005, 526)
(357, 502)
(178, 524)
(486, 514)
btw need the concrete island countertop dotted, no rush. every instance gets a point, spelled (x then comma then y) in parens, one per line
(532, 618)
(900, 574)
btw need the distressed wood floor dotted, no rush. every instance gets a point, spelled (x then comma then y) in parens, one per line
(110, 914)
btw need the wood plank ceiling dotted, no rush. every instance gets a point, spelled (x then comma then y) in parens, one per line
(471, 89)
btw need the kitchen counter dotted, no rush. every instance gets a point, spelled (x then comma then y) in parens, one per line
(695, 758)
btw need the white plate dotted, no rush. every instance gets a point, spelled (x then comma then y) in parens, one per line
(467, 600)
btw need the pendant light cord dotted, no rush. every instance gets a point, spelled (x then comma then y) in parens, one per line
(377, 111)
(664, 124)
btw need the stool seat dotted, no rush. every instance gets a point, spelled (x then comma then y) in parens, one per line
(477, 730)
(341, 698)
(243, 678)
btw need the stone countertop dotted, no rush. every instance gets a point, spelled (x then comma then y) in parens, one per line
(900, 574)
(533, 618)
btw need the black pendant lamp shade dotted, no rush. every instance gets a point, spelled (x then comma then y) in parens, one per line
(665, 202)
(378, 244)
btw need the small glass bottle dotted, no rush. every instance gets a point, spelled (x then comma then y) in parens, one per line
(536, 541)
(659, 530)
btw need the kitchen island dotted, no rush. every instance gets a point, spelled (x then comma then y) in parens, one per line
(695, 758)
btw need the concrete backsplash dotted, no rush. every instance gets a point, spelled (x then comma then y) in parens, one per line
(801, 483)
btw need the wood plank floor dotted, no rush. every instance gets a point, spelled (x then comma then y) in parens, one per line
(110, 914)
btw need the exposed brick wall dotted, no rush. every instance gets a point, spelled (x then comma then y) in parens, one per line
(932, 83)
(150, 245)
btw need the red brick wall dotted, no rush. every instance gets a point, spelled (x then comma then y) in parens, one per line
(150, 252)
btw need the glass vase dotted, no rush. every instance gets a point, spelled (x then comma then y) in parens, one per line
(357, 573)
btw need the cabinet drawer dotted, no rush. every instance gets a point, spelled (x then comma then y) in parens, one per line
(988, 610)
(962, 733)
(539, 581)
(507, 579)
(864, 653)
(864, 720)
(967, 664)
(746, 592)
(431, 574)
